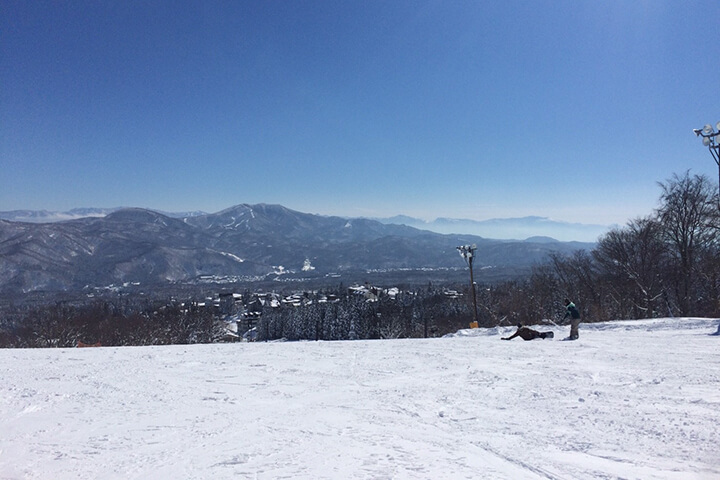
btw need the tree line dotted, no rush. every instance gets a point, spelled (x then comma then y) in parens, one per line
(664, 264)
(109, 322)
(425, 312)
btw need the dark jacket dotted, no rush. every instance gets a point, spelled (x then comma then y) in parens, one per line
(572, 311)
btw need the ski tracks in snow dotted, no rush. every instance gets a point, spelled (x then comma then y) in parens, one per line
(622, 402)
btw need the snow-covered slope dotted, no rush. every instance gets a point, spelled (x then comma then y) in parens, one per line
(632, 400)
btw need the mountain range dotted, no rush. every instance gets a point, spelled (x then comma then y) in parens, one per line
(497, 228)
(241, 243)
(48, 216)
(507, 228)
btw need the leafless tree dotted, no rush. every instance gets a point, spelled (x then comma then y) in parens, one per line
(635, 260)
(688, 214)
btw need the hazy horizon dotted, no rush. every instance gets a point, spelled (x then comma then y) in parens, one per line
(567, 110)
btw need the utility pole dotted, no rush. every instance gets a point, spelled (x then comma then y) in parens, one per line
(468, 253)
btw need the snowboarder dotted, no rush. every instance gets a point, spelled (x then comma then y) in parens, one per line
(572, 312)
(527, 333)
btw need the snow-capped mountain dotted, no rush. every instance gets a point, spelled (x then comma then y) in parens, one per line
(242, 242)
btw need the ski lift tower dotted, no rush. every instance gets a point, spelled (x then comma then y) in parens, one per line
(468, 253)
(711, 139)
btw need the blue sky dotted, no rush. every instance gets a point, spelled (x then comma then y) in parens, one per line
(572, 110)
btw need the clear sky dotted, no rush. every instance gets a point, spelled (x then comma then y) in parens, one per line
(572, 110)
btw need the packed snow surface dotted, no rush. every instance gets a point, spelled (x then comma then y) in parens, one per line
(628, 400)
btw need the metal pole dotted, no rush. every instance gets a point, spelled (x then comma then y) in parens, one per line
(468, 253)
(715, 152)
(472, 284)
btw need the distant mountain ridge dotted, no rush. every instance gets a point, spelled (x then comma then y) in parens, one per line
(48, 216)
(507, 228)
(498, 228)
(241, 243)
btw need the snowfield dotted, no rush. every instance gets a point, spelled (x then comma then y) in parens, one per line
(629, 400)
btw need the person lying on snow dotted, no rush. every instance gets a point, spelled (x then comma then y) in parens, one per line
(527, 333)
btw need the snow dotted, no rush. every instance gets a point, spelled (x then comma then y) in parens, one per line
(631, 400)
(232, 224)
(232, 256)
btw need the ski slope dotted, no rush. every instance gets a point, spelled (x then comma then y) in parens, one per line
(629, 400)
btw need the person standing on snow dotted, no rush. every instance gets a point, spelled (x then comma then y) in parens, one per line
(572, 312)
